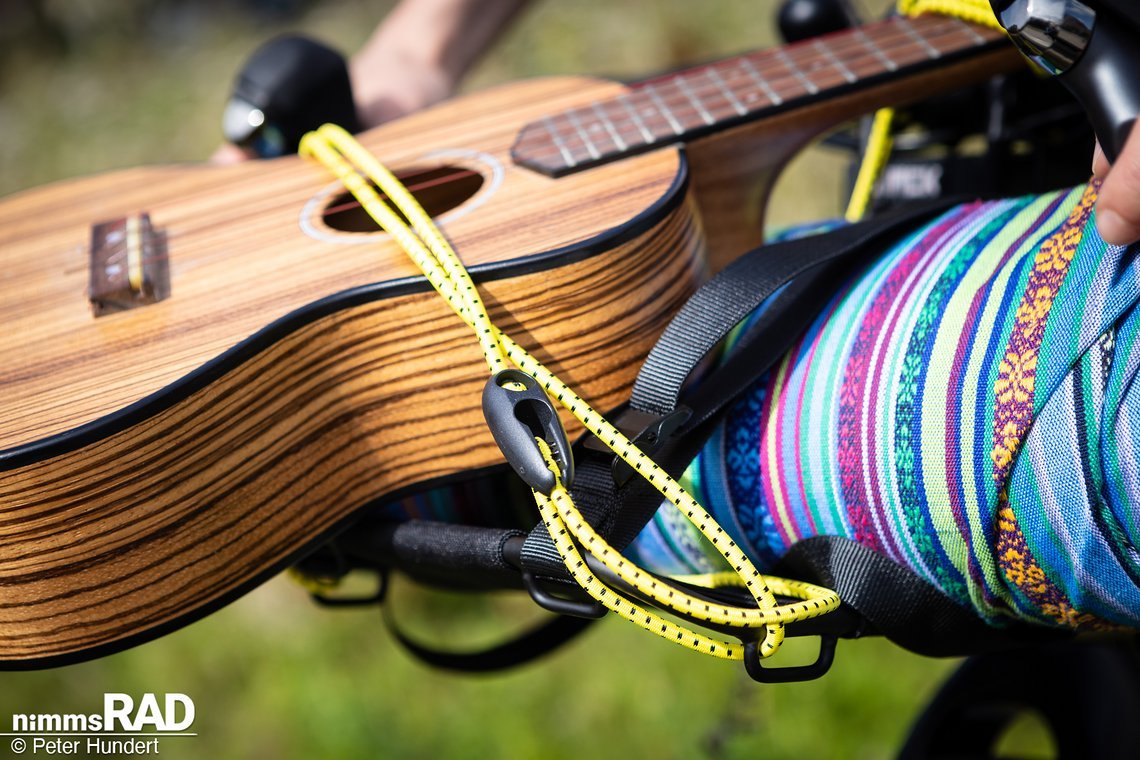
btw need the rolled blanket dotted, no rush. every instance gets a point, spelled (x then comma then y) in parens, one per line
(965, 407)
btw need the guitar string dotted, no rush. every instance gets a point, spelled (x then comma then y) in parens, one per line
(331, 146)
(678, 102)
(777, 79)
(454, 176)
(702, 93)
(815, 61)
(683, 110)
(878, 51)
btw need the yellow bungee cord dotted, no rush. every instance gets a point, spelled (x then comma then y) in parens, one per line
(431, 252)
(880, 142)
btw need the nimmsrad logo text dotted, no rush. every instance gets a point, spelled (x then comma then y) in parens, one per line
(173, 713)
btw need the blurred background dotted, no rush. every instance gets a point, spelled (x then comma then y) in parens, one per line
(94, 85)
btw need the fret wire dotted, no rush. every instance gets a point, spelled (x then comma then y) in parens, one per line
(572, 117)
(894, 35)
(710, 72)
(653, 117)
(970, 30)
(784, 58)
(807, 54)
(760, 80)
(867, 47)
(866, 60)
(567, 156)
(895, 43)
(838, 64)
(914, 34)
(702, 95)
(780, 78)
(916, 50)
(875, 51)
(609, 126)
(704, 114)
(903, 47)
(953, 38)
(895, 31)
(663, 109)
(847, 44)
(624, 99)
(901, 26)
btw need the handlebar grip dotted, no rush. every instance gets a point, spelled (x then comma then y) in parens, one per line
(289, 86)
(1106, 81)
(1092, 48)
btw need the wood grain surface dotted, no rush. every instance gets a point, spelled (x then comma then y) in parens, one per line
(155, 522)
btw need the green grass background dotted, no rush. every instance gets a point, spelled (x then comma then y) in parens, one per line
(124, 83)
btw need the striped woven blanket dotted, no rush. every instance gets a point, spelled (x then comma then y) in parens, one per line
(966, 408)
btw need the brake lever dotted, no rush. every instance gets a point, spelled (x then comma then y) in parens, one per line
(1092, 52)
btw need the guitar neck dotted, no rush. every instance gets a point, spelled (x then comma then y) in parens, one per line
(683, 106)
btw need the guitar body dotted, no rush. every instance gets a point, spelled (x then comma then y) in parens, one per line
(158, 461)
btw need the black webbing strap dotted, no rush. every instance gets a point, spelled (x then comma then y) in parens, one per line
(802, 274)
(596, 498)
(796, 278)
(900, 605)
(527, 647)
(745, 284)
(460, 557)
(1086, 693)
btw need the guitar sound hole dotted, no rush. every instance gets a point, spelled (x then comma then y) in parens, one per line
(438, 190)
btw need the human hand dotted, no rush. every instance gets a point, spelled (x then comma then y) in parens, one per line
(385, 86)
(1118, 208)
(415, 58)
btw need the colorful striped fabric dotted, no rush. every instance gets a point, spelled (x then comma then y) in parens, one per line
(966, 408)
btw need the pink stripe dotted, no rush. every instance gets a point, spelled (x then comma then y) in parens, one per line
(768, 479)
(853, 391)
(877, 381)
(807, 365)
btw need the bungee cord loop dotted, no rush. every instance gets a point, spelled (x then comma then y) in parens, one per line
(730, 629)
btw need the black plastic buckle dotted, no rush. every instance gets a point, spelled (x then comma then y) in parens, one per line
(329, 562)
(582, 607)
(375, 597)
(654, 431)
(589, 609)
(753, 663)
(516, 417)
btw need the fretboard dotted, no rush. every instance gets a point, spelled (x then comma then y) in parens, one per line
(690, 104)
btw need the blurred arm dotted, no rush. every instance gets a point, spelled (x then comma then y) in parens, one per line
(420, 51)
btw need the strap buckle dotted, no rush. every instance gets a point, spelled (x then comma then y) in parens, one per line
(650, 432)
(518, 411)
(579, 607)
(758, 672)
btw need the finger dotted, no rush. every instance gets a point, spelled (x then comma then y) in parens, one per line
(1118, 210)
(1100, 165)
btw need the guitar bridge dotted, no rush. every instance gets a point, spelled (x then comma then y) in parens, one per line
(128, 265)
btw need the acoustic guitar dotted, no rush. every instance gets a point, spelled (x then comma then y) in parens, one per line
(206, 372)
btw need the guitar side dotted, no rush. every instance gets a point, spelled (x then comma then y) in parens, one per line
(159, 461)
